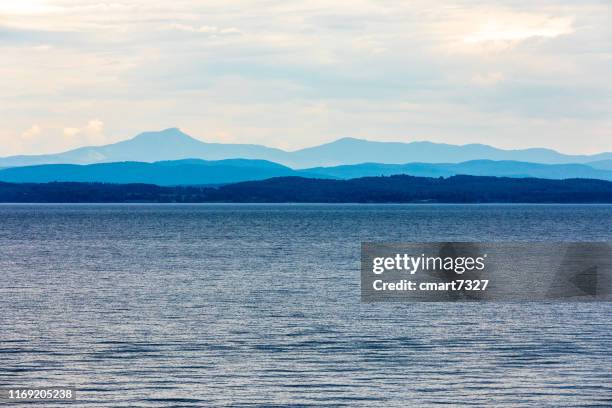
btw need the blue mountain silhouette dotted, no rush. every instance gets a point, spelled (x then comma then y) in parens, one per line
(179, 172)
(173, 144)
(202, 172)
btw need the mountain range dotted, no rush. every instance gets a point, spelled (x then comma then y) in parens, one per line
(164, 173)
(172, 144)
(202, 172)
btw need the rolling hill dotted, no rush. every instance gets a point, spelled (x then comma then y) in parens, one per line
(473, 168)
(202, 172)
(165, 173)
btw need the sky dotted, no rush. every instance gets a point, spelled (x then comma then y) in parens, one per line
(292, 74)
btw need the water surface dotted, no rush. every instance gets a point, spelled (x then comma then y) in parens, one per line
(247, 305)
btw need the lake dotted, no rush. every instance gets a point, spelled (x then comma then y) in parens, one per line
(249, 305)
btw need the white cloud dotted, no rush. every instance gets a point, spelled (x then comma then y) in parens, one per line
(289, 73)
(26, 7)
(486, 29)
(92, 132)
(51, 136)
(31, 133)
(509, 29)
(95, 126)
(71, 131)
(204, 29)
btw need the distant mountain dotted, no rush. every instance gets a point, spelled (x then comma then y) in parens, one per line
(202, 172)
(166, 173)
(474, 168)
(394, 189)
(601, 164)
(172, 144)
(353, 151)
(169, 144)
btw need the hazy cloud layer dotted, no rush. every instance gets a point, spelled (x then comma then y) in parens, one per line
(293, 74)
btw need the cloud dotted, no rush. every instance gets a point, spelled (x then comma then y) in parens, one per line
(31, 133)
(510, 29)
(23, 36)
(26, 7)
(204, 29)
(296, 73)
(50, 136)
(486, 29)
(92, 132)
(71, 131)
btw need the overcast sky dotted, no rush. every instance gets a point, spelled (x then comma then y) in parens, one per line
(290, 74)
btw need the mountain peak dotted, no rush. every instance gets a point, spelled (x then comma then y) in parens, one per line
(166, 133)
(172, 131)
(350, 139)
(167, 137)
(356, 140)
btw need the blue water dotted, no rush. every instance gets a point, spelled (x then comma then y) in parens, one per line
(259, 305)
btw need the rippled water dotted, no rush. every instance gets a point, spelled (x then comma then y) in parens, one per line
(206, 305)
